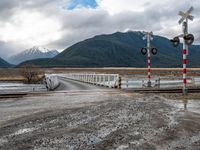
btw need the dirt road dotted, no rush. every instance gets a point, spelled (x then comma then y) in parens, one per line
(98, 119)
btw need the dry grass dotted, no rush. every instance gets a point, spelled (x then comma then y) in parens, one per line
(14, 73)
(129, 71)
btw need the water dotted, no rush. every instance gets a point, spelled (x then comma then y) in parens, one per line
(6, 87)
(190, 105)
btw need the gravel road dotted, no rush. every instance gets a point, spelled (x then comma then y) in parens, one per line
(98, 118)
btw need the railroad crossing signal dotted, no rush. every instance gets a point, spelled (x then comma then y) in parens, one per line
(186, 15)
(153, 51)
(175, 41)
(188, 39)
(145, 50)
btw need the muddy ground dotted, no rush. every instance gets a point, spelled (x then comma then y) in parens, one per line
(100, 120)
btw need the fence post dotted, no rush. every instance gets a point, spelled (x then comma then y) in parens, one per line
(95, 79)
(109, 80)
(159, 82)
(193, 81)
(101, 79)
(119, 82)
(104, 79)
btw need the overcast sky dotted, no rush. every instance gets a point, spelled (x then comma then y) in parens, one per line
(57, 24)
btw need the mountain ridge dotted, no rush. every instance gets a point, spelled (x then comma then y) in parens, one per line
(32, 53)
(121, 50)
(4, 64)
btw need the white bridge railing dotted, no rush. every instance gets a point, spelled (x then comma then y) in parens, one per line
(156, 83)
(108, 80)
(112, 81)
(51, 81)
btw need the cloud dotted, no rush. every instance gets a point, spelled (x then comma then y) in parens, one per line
(118, 6)
(50, 24)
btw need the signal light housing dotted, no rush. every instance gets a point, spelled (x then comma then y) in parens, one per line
(143, 51)
(154, 51)
(189, 39)
(175, 41)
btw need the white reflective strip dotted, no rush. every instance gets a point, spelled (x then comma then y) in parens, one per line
(149, 73)
(149, 54)
(184, 66)
(184, 56)
(184, 45)
(184, 76)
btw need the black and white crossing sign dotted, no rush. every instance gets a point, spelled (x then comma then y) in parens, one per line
(186, 15)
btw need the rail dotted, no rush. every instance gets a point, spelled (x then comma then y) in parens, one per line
(157, 83)
(108, 80)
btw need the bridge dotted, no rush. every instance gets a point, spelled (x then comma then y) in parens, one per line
(81, 81)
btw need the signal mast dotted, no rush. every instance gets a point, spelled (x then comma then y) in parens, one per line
(188, 39)
(145, 50)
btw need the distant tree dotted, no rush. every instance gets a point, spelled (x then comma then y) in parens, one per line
(31, 74)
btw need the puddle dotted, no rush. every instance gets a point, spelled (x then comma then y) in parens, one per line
(189, 105)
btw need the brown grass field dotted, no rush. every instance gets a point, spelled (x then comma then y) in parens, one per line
(14, 73)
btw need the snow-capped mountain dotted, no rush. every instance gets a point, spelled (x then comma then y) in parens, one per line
(32, 53)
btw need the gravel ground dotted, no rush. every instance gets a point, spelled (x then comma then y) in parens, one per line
(99, 119)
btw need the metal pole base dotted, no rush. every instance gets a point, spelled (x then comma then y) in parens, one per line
(185, 92)
(149, 84)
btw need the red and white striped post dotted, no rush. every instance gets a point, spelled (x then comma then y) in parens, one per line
(148, 37)
(187, 40)
(149, 60)
(184, 68)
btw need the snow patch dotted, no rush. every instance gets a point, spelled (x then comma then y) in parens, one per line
(22, 131)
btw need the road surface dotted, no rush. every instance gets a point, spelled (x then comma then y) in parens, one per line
(69, 85)
(81, 116)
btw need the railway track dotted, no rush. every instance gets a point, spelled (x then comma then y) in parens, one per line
(12, 95)
(166, 90)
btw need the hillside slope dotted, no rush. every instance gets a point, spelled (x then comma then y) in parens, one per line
(121, 50)
(4, 64)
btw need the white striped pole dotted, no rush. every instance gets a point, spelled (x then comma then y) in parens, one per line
(149, 60)
(149, 66)
(184, 68)
(185, 16)
(185, 47)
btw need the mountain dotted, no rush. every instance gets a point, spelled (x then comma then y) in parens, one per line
(32, 53)
(4, 64)
(120, 50)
